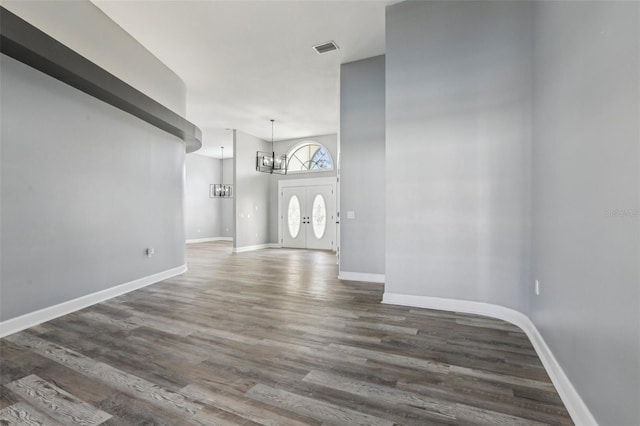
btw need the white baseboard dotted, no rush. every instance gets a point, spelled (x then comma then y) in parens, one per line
(31, 319)
(576, 407)
(361, 276)
(207, 240)
(255, 247)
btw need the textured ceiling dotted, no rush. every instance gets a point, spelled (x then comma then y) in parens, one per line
(245, 62)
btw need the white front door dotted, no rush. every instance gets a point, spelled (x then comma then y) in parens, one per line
(308, 215)
(293, 206)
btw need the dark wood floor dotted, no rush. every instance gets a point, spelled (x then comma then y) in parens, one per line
(271, 337)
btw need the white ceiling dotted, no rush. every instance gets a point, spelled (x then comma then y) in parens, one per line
(245, 62)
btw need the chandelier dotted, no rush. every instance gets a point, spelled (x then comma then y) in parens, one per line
(270, 162)
(220, 190)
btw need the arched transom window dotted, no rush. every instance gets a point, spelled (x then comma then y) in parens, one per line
(308, 156)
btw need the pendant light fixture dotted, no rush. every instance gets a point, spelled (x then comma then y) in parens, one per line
(220, 190)
(270, 162)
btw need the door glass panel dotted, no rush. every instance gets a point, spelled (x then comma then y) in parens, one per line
(293, 216)
(319, 216)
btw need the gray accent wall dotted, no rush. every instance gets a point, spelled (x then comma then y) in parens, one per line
(252, 192)
(362, 166)
(586, 192)
(458, 142)
(513, 155)
(85, 189)
(203, 215)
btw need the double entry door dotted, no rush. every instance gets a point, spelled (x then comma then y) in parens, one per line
(308, 216)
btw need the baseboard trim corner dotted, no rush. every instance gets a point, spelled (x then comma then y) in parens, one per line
(254, 247)
(32, 319)
(361, 276)
(578, 410)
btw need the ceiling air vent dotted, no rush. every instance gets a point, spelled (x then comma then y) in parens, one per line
(325, 47)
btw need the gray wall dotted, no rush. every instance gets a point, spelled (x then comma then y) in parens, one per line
(226, 204)
(85, 189)
(362, 166)
(203, 218)
(458, 122)
(586, 190)
(81, 26)
(282, 147)
(513, 154)
(252, 192)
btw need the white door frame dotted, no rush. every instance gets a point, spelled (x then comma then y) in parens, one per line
(283, 183)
